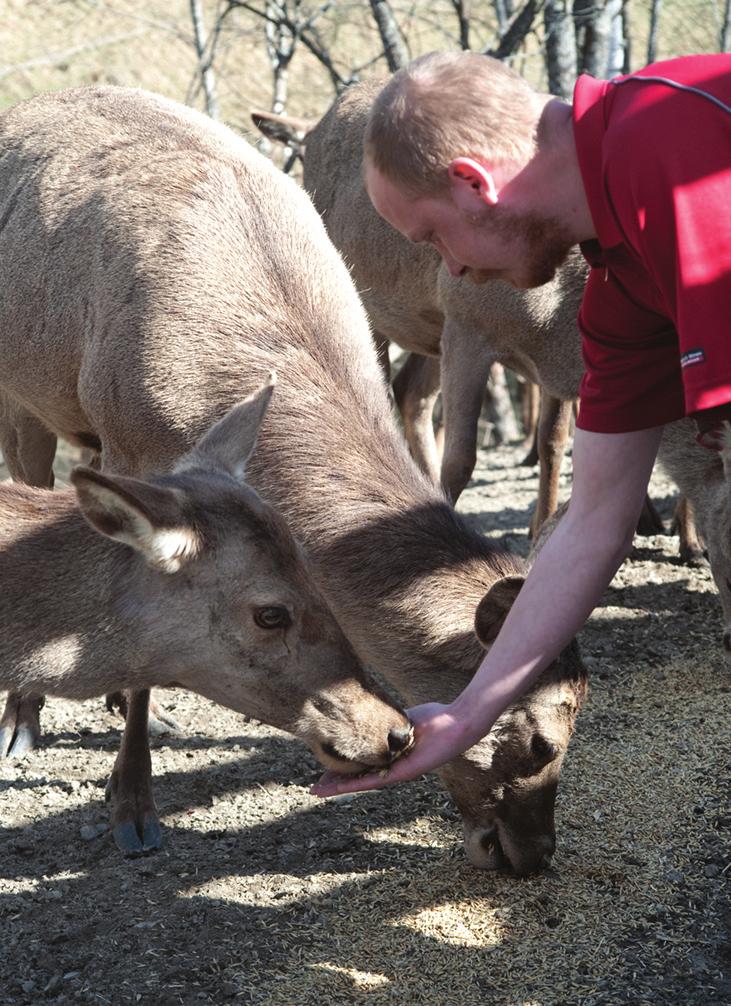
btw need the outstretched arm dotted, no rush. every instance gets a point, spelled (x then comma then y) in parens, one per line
(569, 576)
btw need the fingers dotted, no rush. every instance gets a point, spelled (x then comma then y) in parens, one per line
(332, 784)
(435, 744)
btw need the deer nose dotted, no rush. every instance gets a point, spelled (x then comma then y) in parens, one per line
(398, 738)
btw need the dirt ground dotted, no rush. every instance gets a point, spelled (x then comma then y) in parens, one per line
(264, 895)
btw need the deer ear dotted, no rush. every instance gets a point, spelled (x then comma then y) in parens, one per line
(282, 128)
(494, 606)
(147, 518)
(228, 444)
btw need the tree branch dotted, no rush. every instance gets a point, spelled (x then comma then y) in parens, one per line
(205, 69)
(520, 26)
(393, 43)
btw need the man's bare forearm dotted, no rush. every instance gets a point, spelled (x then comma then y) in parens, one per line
(569, 576)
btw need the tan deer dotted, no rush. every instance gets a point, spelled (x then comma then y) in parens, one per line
(155, 267)
(186, 579)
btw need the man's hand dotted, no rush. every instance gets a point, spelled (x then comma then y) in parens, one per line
(438, 737)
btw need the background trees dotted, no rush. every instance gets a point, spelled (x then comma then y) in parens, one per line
(225, 56)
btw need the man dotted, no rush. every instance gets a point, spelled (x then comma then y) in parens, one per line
(461, 153)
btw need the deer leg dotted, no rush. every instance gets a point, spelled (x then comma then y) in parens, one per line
(530, 409)
(28, 447)
(416, 388)
(466, 364)
(159, 720)
(650, 521)
(692, 551)
(134, 820)
(28, 450)
(553, 432)
(499, 406)
(20, 724)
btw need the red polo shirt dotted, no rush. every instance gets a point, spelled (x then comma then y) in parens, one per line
(656, 315)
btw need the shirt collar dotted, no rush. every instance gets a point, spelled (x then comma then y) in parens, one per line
(589, 119)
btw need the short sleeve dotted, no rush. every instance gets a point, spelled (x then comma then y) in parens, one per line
(674, 201)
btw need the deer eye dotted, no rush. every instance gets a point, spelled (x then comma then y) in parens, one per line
(274, 616)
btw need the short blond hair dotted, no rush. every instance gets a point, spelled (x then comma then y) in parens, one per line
(446, 105)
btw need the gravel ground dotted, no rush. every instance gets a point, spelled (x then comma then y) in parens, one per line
(263, 895)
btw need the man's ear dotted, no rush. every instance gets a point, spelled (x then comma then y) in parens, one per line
(471, 180)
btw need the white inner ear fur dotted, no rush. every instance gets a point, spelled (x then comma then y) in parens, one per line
(166, 549)
(169, 549)
(239, 470)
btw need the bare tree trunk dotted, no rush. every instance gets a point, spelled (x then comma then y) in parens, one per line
(504, 10)
(303, 31)
(463, 18)
(208, 80)
(723, 41)
(627, 33)
(516, 31)
(655, 8)
(280, 41)
(617, 38)
(595, 20)
(560, 52)
(280, 49)
(393, 43)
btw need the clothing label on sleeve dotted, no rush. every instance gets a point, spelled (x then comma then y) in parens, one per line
(692, 357)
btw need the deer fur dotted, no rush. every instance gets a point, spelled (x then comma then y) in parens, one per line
(704, 478)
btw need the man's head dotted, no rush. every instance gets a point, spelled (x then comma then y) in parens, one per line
(447, 104)
(446, 141)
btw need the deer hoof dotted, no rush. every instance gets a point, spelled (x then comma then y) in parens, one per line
(160, 722)
(129, 842)
(25, 740)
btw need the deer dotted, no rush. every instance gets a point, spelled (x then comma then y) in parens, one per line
(704, 510)
(454, 329)
(156, 267)
(187, 579)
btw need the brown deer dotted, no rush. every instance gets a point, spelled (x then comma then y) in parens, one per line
(703, 516)
(188, 579)
(155, 268)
